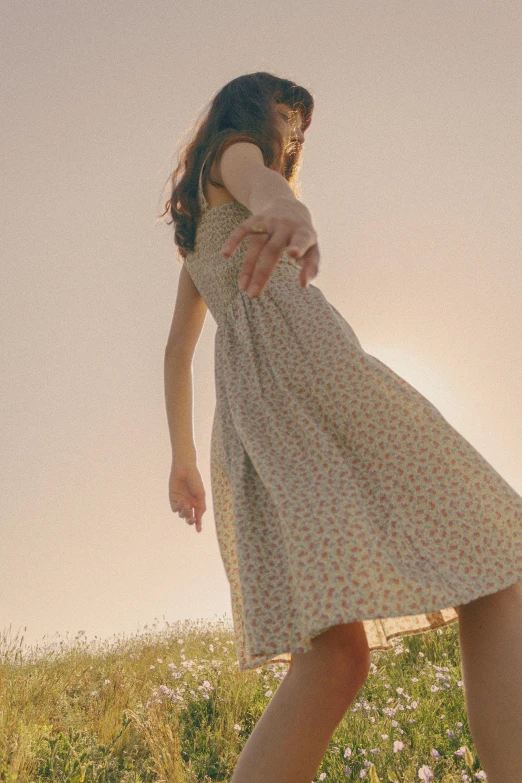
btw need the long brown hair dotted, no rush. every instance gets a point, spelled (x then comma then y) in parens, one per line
(243, 110)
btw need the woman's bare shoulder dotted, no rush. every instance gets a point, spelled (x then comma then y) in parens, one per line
(214, 195)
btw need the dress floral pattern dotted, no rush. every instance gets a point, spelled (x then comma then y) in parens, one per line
(339, 492)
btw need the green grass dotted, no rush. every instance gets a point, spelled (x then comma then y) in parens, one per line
(171, 706)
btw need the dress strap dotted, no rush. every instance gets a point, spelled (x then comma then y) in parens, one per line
(203, 201)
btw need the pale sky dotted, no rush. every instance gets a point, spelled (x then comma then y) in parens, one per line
(412, 169)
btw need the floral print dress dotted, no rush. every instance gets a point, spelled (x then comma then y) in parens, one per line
(339, 492)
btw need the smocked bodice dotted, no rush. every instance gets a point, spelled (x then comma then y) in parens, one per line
(216, 277)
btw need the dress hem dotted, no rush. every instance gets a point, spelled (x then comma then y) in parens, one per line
(247, 663)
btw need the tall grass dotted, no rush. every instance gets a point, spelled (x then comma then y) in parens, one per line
(171, 706)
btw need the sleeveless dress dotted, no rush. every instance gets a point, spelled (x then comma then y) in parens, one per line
(339, 492)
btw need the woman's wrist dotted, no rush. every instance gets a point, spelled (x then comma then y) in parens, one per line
(184, 460)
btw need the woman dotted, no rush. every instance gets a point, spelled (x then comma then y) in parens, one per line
(348, 510)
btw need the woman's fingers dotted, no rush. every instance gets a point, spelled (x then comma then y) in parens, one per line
(193, 519)
(293, 234)
(182, 507)
(190, 518)
(301, 240)
(310, 265)
(238, 234)
(192, 514)
(255, 271)
(256, 242)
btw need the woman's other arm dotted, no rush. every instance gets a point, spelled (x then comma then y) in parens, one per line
(187, 322)
(186, 490)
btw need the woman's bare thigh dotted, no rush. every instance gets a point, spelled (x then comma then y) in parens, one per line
(513, 592)
(341, 650)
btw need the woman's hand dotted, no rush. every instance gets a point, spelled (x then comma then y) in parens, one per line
(187, 494)
(290, 228)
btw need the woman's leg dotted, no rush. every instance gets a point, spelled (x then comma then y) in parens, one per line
(292, 736)
(490, 631)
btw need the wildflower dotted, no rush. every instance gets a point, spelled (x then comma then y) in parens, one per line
(322, 776)
(425, 774)
(237, 727)
(152, 666)
(398, 745)
(160, 660)
(167, 692)
(435, 753)
(461, 751)
(347, 753)
(106, 682)
(205, 688)
(347, 770)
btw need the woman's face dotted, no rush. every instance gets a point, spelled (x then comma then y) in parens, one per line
(289, 123)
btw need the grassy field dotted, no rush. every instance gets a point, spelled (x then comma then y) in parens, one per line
(171, 706)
